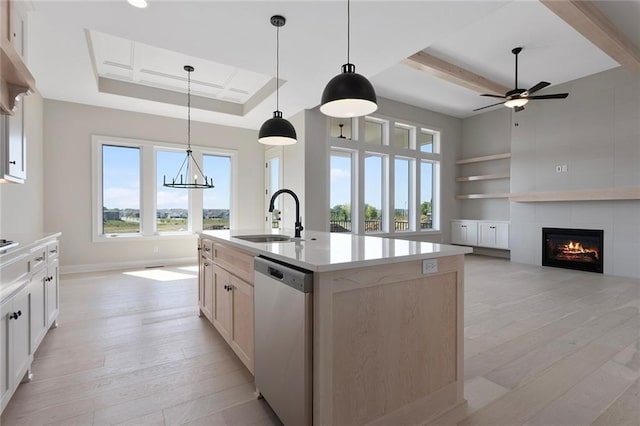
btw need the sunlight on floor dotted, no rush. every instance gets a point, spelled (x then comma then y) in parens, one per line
(193, 268)
(159, 275)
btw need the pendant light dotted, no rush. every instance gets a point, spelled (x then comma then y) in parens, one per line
(348, 94)
(199, 180)
(277, 130)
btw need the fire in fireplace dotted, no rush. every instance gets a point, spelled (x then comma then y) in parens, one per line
(579, 249)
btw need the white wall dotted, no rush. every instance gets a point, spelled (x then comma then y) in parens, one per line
(596, 133)
(67, 174)
(317, 163)
(21, 205)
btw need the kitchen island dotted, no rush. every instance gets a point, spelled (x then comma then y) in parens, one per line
(387, 321)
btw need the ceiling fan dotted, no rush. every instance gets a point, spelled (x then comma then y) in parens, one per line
(518, 98)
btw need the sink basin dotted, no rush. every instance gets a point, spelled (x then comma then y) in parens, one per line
(266, 238)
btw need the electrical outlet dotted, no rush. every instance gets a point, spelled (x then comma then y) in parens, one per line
(558, 169)
(565, 168)
(429, 266)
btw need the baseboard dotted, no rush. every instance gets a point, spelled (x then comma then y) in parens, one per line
(134, 264)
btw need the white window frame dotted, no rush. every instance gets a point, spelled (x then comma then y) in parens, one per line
(148, 194)
(360, 148)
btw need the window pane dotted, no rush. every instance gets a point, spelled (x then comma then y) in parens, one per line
(340, 192)
(425, 140)
(120, 189)
(172, 204)
(426, 195)
(216, 201)
(341, 133)
(373, 132)
(274, 185)
(373, 184)
(401, 137)
(401, 191)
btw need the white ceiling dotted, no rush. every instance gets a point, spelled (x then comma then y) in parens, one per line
(476, 35)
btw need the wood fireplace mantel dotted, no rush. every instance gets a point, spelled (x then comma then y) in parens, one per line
(610, 194)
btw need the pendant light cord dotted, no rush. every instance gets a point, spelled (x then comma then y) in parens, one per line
(277, 68)
(189, 110)
(348, 28)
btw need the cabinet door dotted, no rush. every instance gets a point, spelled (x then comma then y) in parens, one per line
(222, 302)
(487, 235)
(53, 291)
(207, 289)
(38, 311)
(6, 309)
(16, 156)
(458, 233)
(242, 321)
(20, 336)
(464, 232)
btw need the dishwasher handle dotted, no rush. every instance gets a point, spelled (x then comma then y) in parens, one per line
(275, 273)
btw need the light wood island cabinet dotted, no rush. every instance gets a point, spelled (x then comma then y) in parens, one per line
(226, 295)
(387, 321)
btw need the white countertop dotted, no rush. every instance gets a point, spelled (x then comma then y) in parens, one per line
(330, 251)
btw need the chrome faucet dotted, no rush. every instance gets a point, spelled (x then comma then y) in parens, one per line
(298, 226)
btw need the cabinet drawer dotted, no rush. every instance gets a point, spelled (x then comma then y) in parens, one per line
(52, 251)
(37, 259)
(235, 261)
(206, 247)
(14, 271)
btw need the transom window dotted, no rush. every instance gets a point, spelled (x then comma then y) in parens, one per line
(388, 180)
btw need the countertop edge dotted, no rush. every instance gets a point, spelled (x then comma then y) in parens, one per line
(253, 249)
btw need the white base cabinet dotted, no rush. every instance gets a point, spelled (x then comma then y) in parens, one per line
(28, 308)
(480, 233)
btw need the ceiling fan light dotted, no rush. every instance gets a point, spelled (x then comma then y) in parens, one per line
(348, 95)
(140, 4)
(518, 102)
(277, 131)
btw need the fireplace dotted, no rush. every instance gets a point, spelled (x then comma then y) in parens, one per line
(579, 249)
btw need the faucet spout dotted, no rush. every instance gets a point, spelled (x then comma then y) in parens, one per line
(298, 225)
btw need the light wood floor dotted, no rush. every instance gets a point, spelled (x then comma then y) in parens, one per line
(543, 347)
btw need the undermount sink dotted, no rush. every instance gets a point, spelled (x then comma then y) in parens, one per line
(266, 238)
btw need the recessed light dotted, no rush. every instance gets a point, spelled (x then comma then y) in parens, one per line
(138, 3)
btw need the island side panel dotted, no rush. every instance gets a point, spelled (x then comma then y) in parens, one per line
(388, 343)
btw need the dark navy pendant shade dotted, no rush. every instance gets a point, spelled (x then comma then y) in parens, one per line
(277, 131)
(348, 94)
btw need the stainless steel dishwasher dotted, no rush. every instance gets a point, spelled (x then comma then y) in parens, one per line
(283, 339)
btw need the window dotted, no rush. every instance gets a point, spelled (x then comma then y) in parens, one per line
(373, 196)
(129, 199)
(391, 175)
(172, 204)
(216, 203)
(340, 191)
(120, 189)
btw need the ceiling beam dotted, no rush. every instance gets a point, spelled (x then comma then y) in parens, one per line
(589, 21)
(425, 62)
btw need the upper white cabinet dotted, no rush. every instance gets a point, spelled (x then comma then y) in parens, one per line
(13, 164)
(481, 233)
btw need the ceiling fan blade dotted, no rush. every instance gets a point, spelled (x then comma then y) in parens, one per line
(488, 106)
(537, 87)
(518, 109)
(553, 96)
(493, 96)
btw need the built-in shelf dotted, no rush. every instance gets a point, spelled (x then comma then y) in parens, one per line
(481, 196)
(611, 194)
(484, 158)
(14, 75)
(483, 177)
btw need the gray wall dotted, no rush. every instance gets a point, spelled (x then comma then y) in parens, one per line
(67, 174)
(596, 133)
(21, 205)
(485, 134)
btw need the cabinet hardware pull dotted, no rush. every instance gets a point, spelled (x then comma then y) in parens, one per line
(13, 316)
(206, 264)
(53, 251)
(50, 278)
(12, 162)
(207, 249)
(39, 259)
